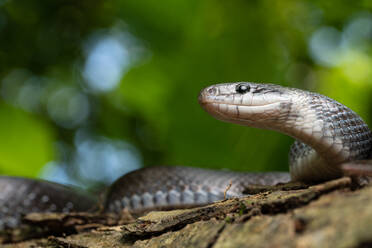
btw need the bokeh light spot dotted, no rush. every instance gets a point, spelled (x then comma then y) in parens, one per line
(68, 107)
(105, 64)
(324, 46)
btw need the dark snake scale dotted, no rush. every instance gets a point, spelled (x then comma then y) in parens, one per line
(327, 134)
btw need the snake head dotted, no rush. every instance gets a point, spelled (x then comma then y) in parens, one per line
(253, 104)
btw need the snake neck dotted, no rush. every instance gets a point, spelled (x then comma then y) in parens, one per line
(327, 134)
(334, 131)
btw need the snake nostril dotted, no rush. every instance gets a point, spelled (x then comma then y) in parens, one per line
(212, 91)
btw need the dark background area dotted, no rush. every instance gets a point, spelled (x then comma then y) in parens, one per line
(91, 90)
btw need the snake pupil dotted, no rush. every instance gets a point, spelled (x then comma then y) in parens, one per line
(242, 88)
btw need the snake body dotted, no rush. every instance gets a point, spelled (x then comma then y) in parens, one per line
(176, 186)
(20, 196)
(327, 134)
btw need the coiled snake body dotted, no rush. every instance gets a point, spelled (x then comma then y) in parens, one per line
(327, 134)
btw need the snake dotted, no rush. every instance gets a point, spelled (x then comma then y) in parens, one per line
(327, 134)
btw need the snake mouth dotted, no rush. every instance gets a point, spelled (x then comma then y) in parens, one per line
(203, 103)
(241, 113)
(207, 99)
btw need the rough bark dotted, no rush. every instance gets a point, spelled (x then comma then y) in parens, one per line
(332, 214)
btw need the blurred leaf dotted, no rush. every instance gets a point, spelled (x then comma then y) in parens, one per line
(26, 143)
(180, 47)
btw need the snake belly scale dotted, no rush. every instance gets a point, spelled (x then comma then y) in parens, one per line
(327, 134)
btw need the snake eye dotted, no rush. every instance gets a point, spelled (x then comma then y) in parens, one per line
(242, 88)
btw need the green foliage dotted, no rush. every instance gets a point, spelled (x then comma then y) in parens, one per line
(26, 142)
(175, 49)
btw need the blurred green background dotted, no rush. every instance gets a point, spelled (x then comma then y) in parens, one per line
(91, 90)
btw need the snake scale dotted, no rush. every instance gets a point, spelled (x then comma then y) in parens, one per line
(327, 134)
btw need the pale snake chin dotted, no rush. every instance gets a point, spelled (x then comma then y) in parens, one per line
(327, 134)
